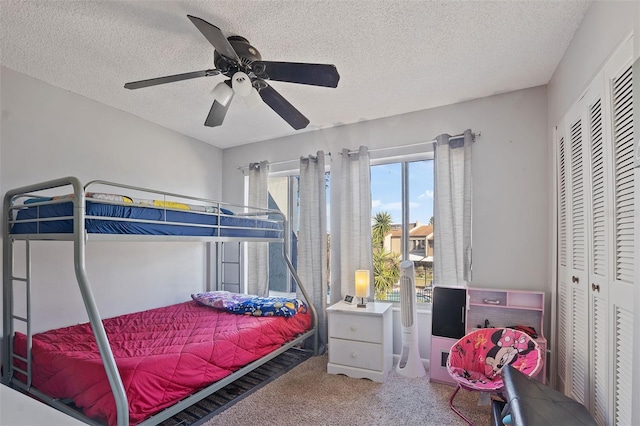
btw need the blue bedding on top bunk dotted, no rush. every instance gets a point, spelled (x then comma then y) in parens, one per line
(230, 226)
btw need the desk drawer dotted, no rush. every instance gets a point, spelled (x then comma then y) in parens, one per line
(356, 354)
(364, 328)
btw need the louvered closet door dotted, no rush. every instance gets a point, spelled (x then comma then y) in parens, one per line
(598, 233)
(618, 77)
(596, 267)
(577, 290)
(564, 260)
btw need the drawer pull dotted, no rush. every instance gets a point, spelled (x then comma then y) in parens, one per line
(354, 355)
(354, 328)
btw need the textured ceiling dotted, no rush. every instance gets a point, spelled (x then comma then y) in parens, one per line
(393, 56)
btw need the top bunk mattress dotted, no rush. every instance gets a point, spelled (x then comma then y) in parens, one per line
(105, 216)
(163, 355)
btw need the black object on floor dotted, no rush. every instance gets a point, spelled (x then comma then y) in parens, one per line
(531, 403)
(496, 412)
(217, 402)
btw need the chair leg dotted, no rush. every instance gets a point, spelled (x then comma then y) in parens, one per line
(455, 410)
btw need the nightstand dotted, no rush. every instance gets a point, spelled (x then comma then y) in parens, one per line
(360, 340)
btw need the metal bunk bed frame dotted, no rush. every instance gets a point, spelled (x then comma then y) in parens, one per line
(80, 238)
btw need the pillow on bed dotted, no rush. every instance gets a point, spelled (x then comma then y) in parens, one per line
(217, 299)
(251, 305)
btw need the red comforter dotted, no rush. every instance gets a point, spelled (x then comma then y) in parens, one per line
(163, 355)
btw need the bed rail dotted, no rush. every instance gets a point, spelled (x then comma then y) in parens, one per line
(122, 406)
(79, 236)
(174, 216)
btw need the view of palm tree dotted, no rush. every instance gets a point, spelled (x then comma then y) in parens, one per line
(380, 229)
(386, 270)
(386, 260)
(386, 265)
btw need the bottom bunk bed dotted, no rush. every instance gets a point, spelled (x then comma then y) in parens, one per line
(141, 368)
(163, 355)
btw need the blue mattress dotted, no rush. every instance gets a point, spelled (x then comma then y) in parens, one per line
(230, 226)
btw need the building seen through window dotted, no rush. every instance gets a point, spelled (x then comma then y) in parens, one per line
(387, 227)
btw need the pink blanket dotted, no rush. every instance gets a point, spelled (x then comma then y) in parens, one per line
(163, 355)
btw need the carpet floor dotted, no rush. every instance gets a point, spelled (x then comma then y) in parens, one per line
(309, 395)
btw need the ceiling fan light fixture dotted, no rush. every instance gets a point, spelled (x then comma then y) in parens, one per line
(253, 99)
(222, 93)
(241, 84)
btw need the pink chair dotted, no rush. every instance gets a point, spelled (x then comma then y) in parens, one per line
(476, 360)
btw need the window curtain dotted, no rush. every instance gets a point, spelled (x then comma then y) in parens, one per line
(452, 210)
(350, 222)
(312, 239)
(258, 253)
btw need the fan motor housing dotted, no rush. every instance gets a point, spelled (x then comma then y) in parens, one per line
(246, 52)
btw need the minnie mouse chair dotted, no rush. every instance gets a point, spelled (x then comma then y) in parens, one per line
(476, 360)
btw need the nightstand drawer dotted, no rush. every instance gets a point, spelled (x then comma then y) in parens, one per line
(364, 328)
(356, 354)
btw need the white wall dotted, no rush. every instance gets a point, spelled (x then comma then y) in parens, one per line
(603, 28)
(47, 133)
(510, 176)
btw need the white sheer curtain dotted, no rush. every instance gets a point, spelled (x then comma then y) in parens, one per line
(350, 222)
(312, 238)
(258, 253)
(452, 210)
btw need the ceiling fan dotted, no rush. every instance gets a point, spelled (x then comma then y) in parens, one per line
(236, 59)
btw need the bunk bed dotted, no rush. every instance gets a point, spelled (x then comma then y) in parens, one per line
(80, 366)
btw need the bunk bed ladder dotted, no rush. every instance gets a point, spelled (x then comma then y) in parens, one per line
(229, 266)
(25, 319)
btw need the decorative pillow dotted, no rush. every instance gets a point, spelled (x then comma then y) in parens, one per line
(269, 306)
(251, 305)
(217, 299)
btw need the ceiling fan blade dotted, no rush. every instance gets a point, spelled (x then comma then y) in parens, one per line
(170, 79)
(217, 113)
(297, 72)
(282, 107)
(215, 37)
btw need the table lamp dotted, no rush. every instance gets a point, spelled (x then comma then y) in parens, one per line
(362, 286)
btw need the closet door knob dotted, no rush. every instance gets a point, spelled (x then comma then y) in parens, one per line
(595, 287)
(575, 279)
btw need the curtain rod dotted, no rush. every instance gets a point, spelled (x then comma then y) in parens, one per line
(431, 142)
(327, 154)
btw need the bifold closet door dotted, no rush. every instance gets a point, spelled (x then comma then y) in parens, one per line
(563, 349)
(578, 332)
(596, 237)
(619, 108)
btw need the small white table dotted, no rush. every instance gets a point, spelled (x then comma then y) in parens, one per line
(360, 340)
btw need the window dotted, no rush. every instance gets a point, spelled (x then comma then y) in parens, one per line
(389, 221)
(284, 195)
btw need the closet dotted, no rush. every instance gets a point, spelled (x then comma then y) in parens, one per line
(595, 215)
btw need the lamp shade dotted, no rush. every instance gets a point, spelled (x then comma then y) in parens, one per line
(362, 283)
(222, 93)
(253, 99)
(241, 84)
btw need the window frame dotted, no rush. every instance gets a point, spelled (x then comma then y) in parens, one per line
(404, 160)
